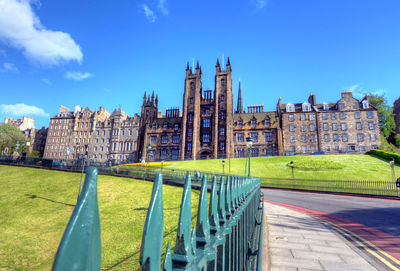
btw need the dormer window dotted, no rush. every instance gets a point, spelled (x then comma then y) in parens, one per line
(253, 124)
(325, 106)
(290, 107)
(306, 107)
(240, 123)
(365, 104)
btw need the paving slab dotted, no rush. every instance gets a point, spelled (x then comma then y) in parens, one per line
(296, 241)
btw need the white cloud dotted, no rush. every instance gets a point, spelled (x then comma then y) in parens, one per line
(359, 92)
(9, 67)
(46, 81)
(77, 76)
(151, 17)
(21, 28)
(161, 6)
(22, 110)
(260, 4)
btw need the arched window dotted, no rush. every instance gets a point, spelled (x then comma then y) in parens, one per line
(365, 104)
(223, 82)
(192, 85)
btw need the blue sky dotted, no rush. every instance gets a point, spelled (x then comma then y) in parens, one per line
(107, 53)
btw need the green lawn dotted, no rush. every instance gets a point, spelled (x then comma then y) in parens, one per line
(35, 206)
(340, 167)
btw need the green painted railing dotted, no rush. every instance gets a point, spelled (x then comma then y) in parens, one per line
(228, 232)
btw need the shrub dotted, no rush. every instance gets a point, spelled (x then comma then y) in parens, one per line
(316, 165)
(386, 155)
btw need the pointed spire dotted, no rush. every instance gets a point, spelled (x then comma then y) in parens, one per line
(198, 65)
(152, 97)
(144, 97)
(187, 66)
(217, 63)
(228, 63)
(240, 103)
(156, 99)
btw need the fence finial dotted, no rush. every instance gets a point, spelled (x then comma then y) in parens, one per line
(81, 245)
(221, 201)
(167, 266)
(213, 211)
(203, 225)
(151, 249)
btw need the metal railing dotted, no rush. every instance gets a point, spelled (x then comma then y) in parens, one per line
(227, 236)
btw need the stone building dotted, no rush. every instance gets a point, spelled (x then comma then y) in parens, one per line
(349, 125)
(37, 139)
(26, 123)
(396, 110)
(96, 136)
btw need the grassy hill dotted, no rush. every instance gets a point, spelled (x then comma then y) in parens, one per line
(36, 204)
(324, 167)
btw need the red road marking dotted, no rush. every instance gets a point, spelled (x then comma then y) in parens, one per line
(386, 242)
(332, 194)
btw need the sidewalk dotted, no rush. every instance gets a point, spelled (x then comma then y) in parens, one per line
(295, 241)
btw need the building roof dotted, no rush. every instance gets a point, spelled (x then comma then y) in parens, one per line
(260, 116)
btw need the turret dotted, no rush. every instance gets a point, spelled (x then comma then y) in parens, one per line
(217, 66)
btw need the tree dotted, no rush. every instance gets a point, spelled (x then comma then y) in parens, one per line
(9, 135)
(386, 116)
(397, 140)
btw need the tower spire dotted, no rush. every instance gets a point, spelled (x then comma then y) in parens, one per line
(217, 66)
(144, 97)
(152, 97)
(240, 104)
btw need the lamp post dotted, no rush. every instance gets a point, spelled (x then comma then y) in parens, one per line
(249, 144)
(291, 165)
(391, 163)
(223, 166)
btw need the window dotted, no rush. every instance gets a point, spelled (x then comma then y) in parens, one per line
(292, 138)
(175, 139)
(268, 123)
(335, 137)
(303, 128)
(190, 117)
(164, 139)
(362, 148)
(222, 115)
(240, 123)
(311, 117)
(304, 138)
(365, 104)
(373, 137)
(206, 123)
(175, 154)
(328, 148)
(222, 131)
(304, 148)
(312, 138)
(341, 105)
(360, 137)
(306, 107)
(333, 116)
(165, 127)
(334, 126)
(291, 117)
(325, 106)
(291, 128)
(130, 132)
(163, 154)
(190, 100)
(240, 137)
(254, 136)
(337, 148)
(268, 137)
(189, 146)
(176, 126)
(344, 138)
(371, 125)
(253, 123)
(357, 115)
(222, 98)
(313, 149)
(190, 132)
(355, 105)
(358, 126)
(98, 132)
(206, 138)
(369, 114)
(326, 126)
(207, 111)
(312, 127)
(303, 117)
(290, 107)
(342, 116)
(344, 127)
(254, 152)
(293, 149)
(221, 146)
(324, 116)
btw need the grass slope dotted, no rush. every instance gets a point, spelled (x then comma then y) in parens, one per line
(35, 206)
(343, 167)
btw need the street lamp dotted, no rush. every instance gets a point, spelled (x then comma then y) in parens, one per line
(148, 152)
(291, 165)
(392, 165)
(223, 166)
(249, 144)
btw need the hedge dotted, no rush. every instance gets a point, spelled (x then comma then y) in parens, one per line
(386, 155)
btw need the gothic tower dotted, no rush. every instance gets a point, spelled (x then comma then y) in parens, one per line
(191, 114)
(148, 113)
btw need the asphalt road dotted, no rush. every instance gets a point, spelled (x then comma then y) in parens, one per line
(380, 214)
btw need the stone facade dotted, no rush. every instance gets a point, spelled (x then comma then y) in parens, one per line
(349, 125)
(396, 110)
